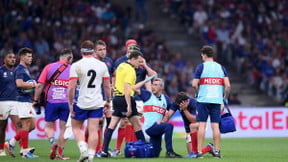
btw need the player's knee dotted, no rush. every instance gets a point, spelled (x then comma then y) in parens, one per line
(32, 126)
(123, 123)
(193, 127)
(137, 126)
(18, 125)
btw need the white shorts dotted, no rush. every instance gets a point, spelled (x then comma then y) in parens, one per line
(139, 106)
(25, 110)
(8, 108)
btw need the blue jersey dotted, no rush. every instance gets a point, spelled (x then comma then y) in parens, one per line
(23, 73)
(120, 60)
(8, 88)
(141, 72)
(110, 65)
(191, 108)
(154, 107)
(211, 85)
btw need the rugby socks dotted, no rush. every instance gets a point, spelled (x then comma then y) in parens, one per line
(99, 141)
(194, 141)
(206, 149)
(24, 139)
(60, 151)
(91, 154)
(51, 140)
(108, 120)
(130, 134)
(104, 138)
(120, 137)
(18, 135)
(140, 135)
(82, 146)
(108, 136)
(86, 136)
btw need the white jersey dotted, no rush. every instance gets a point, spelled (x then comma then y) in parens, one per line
(90, 72)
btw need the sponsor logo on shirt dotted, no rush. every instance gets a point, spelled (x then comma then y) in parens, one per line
(4, 74)
(58, 82)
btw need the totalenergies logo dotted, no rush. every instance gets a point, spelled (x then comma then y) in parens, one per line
(275, 120)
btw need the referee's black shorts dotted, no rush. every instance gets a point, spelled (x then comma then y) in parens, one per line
(120, 107)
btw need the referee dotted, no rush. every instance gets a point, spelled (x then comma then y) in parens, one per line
(123, 102)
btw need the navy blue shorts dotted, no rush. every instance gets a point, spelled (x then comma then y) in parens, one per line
(205, 109)
(120, 107)
(81, 114)
(54, 111)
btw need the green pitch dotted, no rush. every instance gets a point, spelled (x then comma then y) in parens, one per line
(243, 149)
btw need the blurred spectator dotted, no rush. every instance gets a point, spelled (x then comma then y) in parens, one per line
(41, 46)
(68, 23)
(234, 100)
(141, 11)
(252, 33)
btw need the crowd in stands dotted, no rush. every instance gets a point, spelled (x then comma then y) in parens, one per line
(50, 25)
(249, 35)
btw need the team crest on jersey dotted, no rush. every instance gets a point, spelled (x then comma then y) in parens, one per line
(5, 75)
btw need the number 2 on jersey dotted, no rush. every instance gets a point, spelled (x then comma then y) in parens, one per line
(91, 73)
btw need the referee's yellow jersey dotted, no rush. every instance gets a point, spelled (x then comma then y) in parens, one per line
(125, 73)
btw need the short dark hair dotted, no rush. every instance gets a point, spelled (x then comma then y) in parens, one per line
(180, 97)
(100, 42)
(135, 54)
(6, 54)
(87, 44)
(65, 51)
(207, 50)
(24, 51)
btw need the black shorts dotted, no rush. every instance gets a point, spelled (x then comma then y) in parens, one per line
(120, 107)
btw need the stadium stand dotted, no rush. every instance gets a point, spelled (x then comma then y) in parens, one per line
(248, 35)
(259, 48)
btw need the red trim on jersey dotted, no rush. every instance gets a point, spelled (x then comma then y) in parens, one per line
(151, 108)
(212, 81)
(73, 78)
(106, 77)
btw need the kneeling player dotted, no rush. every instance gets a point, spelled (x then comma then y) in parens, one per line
(187, 108)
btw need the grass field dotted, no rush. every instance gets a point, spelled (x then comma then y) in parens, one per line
(238, 149)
